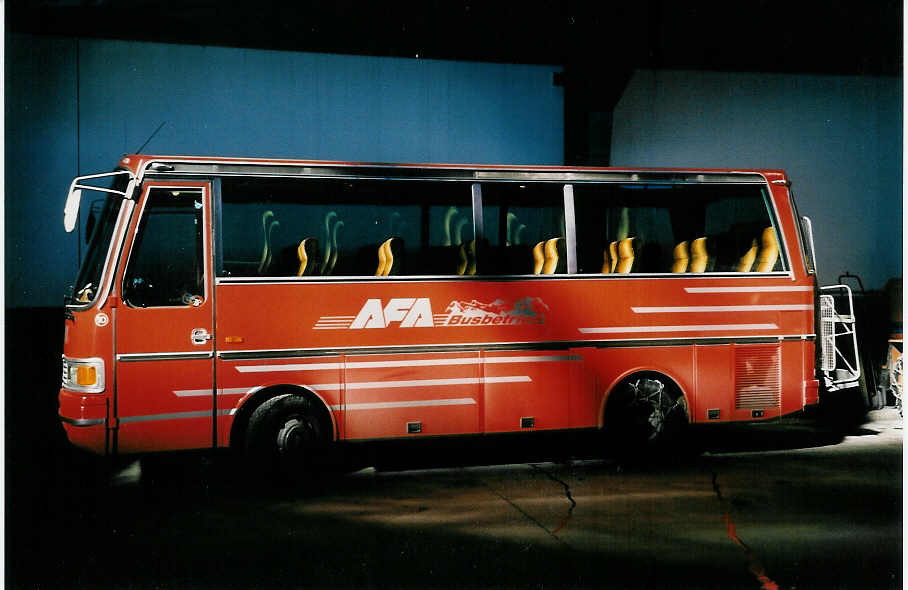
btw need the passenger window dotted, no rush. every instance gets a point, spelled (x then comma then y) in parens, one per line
(306, 227)
(524, 229)
(623, 228)
(166, 265)
(741, 233)
(674, 228)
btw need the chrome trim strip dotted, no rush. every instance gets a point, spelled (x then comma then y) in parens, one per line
(772, 289)
(722, 308)
(570, 229)
(361, 279)
(204, 392)
(163, 356)
(291, 353)
(462, 401)
(302, 168)
(703, 327)
(476, 202)
(394, 364)
(82, 421)
(813, 254)
(174, 416)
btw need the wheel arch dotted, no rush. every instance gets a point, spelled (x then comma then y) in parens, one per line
(672, 381)
(258, 396)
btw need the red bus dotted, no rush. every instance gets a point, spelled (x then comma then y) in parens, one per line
(274, 305)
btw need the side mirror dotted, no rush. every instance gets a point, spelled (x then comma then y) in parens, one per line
(71, 210)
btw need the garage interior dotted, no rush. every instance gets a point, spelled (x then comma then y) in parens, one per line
(815, 89)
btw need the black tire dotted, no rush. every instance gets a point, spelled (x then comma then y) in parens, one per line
(284, 437)
(646, 417)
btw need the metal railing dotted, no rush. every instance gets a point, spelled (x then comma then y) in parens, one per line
(840, 357)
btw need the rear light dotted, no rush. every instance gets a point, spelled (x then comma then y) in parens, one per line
(83, 375)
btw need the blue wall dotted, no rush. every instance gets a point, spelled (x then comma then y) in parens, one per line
(74, 107)
(838, 137)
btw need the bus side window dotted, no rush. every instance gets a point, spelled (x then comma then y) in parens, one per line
(451, 242)
(264, 222)
(736, 217)
(166, 263)
(624, 228)
(516, 219)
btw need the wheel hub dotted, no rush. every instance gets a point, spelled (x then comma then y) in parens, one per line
(291, 436)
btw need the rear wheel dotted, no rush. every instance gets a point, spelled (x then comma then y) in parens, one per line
(646, 416)
(285, 437)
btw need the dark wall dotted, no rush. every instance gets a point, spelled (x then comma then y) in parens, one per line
(75, 106)
(838, 137)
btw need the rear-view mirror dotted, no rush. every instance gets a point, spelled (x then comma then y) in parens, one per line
(71, 210)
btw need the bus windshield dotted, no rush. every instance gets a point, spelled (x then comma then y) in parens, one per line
(89, 277)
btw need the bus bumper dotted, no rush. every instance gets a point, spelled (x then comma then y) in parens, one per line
(84, 419)
(811, 392)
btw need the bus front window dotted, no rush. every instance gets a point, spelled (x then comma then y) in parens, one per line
(88, 279)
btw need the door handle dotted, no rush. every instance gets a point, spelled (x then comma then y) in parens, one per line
(200, 336)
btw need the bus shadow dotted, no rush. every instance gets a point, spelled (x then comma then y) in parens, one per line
(766, 437)
(224, 472)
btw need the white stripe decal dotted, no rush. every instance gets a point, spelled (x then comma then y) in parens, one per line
(404, 363)
(722, 308)
(421, 383)
(779, 289)
(295, 367)
(698, 328)
(372, 385)
(462, 401)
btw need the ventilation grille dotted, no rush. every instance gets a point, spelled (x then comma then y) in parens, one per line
(758, 376)
(827, 333)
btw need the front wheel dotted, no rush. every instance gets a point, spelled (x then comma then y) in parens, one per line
(285, 437)
(646, 416)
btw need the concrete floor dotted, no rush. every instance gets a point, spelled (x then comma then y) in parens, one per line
(788, 506)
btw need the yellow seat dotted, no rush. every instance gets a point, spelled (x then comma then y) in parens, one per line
(769, 253)
(699, 256)
(332, 259)
(390, 257)
(307, 253)
(384, 254)
(554, 261)
(681, 256)
(269, 224)
(746, 262)
(625, 256)
(538, 258)
(467, 255)
(613, 254)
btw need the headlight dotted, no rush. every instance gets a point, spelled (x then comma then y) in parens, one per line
(83, 375)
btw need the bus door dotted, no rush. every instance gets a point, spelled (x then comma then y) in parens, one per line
(164, 324)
